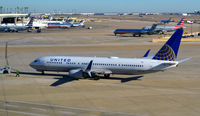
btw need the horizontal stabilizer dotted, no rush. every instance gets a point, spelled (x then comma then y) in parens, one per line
(164, 66)
(183, 60)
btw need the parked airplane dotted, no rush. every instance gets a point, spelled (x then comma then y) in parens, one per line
(38, 25)
(79, 24)
(190, 22)
(163, 29)
(67, 24)
(166, 21)
(60, 25)
(16, 27)
(90, 67)
(135, 32)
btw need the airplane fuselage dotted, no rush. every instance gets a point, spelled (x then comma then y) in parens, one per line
(111, 65)
(163, 28)
(12, 27)
(130, 31)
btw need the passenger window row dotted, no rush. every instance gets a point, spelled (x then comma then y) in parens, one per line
(54, 62)
(99, 64)
(132, 65)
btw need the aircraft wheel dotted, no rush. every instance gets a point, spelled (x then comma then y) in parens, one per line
(106, 75)
(5, 72)
(85, 75)
(39, 30)
(42, 72)
(96, 78)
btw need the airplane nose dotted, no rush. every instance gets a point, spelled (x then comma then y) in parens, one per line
(31, 64)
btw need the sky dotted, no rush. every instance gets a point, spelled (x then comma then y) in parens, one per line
(78, 6)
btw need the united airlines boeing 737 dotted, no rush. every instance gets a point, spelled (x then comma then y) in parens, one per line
(90, 67)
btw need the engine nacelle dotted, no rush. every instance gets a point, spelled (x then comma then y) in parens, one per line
(76, 73)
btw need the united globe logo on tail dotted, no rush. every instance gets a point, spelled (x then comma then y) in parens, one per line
(169, 51)
(165, 53)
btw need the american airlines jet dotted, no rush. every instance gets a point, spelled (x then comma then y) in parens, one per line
(90, 67)
(16, 27)
(164, 29)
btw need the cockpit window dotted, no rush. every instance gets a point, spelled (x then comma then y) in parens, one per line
(36, 61)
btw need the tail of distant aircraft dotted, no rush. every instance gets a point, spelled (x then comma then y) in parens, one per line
(169, 51)
(153, 27)
(72, 21)
(82, 22)
(30, 23)
(180, 24)
(29, 15)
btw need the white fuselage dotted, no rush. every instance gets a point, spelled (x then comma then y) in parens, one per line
(12, 27)
(111, 65)
(39, 24)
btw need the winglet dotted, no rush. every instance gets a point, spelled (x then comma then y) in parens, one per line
(147, 53)
(89, 66)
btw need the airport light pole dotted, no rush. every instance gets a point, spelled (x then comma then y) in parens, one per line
(164, 31)
(1, 9)
(6, 54)
(199, 27)
(191, 27)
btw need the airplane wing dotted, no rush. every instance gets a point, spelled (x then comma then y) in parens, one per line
(89, 70)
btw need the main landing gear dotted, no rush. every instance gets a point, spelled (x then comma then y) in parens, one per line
(106, 75)
(42, 72)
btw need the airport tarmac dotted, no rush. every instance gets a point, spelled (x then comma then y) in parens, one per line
(174, 92)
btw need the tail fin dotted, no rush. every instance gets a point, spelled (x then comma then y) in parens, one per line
(153, 27)
(82, 22)
(180, 24)
(169, 51)
(30, 23)
(72, 21)
(29, 15)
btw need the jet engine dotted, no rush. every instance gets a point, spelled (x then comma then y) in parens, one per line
(76, 73)
(79, 73)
